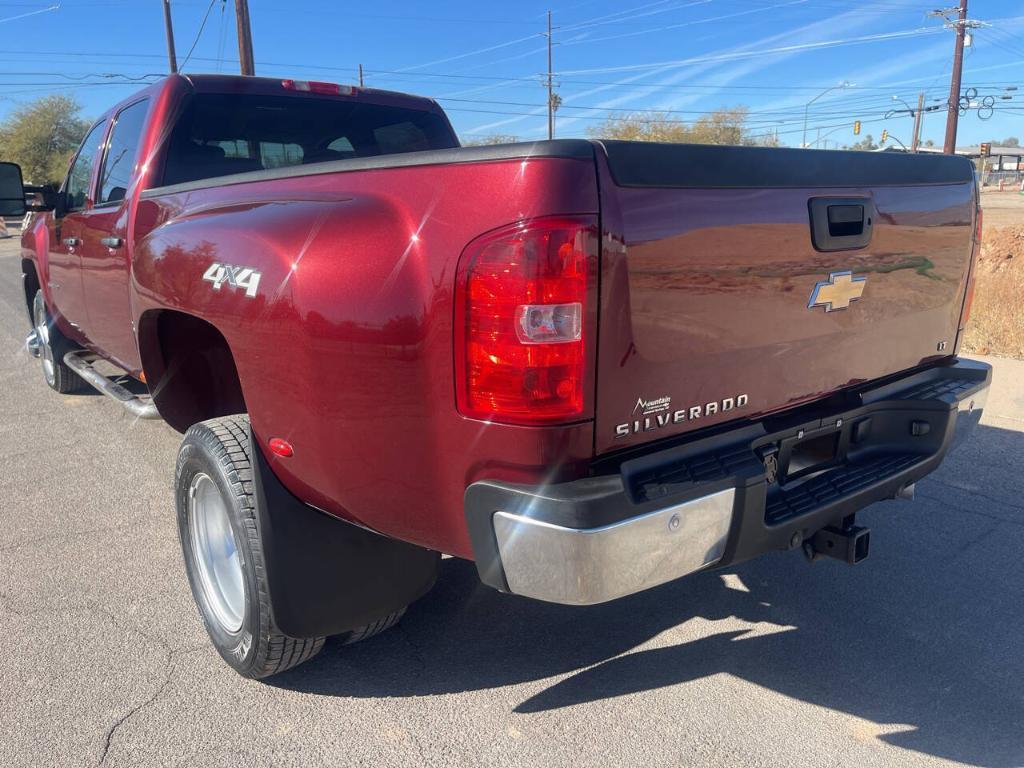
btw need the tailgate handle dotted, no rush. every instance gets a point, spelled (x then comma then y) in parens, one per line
(841, 223)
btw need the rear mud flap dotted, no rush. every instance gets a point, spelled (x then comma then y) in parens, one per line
(327, 576)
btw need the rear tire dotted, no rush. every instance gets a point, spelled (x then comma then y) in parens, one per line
(220, 541)
(53, 345)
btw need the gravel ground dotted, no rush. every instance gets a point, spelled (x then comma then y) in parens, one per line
(913, 658)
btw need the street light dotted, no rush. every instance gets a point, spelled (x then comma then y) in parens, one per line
(844, 84)
(917, 117)
(910, 109)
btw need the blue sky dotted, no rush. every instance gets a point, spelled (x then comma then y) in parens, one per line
(484, 62)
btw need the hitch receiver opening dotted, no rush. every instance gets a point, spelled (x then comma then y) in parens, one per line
(849, 544)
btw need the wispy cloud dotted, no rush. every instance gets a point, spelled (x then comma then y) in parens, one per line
(687, 69)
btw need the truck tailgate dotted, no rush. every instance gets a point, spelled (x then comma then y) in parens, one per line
(718, 302)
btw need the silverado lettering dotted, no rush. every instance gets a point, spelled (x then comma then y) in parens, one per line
(661, 418)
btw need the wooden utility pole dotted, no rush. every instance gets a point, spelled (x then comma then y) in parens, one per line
(551, 90)
(953, 107)
(918, 119)
(360, 75)
(244, 37)
(172, 59)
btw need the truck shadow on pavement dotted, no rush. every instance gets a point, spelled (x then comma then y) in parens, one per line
(923, 640)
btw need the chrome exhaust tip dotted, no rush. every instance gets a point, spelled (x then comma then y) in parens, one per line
(32, 343)
(906, 492)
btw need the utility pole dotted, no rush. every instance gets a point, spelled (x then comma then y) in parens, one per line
(360, 75)
(918, 119)
(244, 37)
(953, 107)
(551, 91)
(172, 60)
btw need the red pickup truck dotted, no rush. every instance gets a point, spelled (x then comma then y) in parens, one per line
(590, 367)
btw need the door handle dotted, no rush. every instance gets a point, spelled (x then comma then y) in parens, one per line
(71, 242)
(112, 242)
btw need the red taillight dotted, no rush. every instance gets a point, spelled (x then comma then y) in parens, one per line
(314, 86)
(521, 321)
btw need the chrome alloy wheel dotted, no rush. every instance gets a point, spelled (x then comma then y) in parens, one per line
(42, 325)
(216, 554)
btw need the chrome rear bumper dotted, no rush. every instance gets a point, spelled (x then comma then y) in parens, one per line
(718, 500)
(593, 565)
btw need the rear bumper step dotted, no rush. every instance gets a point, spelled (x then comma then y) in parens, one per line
(140, 406)
(726, 498)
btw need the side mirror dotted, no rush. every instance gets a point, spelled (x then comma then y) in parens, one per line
(12, 190)
(45, 198)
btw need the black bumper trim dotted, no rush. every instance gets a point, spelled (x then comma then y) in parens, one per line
(871, 464)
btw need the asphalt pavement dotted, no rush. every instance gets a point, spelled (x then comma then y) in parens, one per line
(914, 657)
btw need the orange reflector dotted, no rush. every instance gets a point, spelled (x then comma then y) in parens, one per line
(280, 447)
(968, 301)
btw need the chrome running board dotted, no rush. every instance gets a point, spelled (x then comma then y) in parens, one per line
(140, 406)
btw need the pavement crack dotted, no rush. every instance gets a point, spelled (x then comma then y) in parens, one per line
(169, 670)
(109, 736)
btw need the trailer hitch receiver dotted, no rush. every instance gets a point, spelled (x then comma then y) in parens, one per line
(849, 544)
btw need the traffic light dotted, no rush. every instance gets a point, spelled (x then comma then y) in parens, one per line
(986, 149)
(856, 127)
(885, 135)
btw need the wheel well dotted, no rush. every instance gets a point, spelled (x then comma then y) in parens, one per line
(30, 281)
(189, 368)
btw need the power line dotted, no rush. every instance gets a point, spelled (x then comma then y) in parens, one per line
(199, 34)
(847, 119)
(222, 34)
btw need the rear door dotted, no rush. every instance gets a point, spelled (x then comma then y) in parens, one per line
(66, 234)
(105, 251)
(741, 281)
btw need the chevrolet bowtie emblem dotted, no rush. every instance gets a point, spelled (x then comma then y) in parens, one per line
(837, 292)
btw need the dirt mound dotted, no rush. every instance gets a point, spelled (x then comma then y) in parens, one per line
(996, 326)
(1002, 247)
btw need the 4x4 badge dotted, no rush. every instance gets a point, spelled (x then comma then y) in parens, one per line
(236, 277)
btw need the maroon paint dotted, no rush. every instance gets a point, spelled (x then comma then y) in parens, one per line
(704, 296)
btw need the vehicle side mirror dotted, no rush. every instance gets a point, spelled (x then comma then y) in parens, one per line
(45, 198)
(12, 190)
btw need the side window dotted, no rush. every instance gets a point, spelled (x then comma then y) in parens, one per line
(122, 150)
(77, 186)
(400, 137)
(277, 155)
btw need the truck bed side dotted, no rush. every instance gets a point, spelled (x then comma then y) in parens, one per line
(346, 348)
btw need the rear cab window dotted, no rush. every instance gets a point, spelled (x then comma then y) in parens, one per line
(122, 153)
(222, 134)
